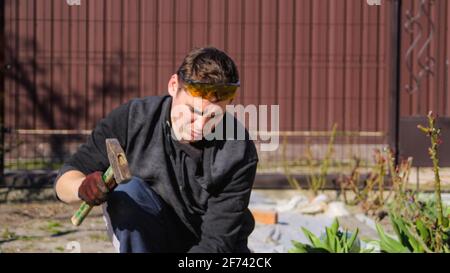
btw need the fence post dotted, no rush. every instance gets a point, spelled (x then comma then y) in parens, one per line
(2, 90)
(394, 89)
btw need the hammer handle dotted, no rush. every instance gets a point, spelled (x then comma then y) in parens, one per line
(84, 208)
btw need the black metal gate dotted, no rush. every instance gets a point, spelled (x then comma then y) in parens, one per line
(423, 82)
(2, 87)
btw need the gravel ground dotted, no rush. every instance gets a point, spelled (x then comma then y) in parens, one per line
(45, 227)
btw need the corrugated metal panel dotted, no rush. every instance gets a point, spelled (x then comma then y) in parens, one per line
(322, 61)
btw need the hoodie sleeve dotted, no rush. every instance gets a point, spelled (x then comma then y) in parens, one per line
(92, 156)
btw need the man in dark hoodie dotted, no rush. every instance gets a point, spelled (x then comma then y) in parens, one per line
(190, 191)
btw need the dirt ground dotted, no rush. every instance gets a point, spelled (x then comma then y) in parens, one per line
(46, 227)
(43, 225)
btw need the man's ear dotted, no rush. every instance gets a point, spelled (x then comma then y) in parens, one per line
(172, 86)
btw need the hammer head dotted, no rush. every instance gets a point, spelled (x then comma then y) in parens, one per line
(117, 160)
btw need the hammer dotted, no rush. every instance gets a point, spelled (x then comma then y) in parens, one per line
(118, 171)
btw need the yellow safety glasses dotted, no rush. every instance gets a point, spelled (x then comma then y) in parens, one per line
(220, 91)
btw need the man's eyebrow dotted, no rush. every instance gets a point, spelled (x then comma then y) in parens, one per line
(200, 112)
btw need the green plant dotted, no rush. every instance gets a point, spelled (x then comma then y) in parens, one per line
(333, 241)
(418, 236)
(53, 228)
(435, 137)
(319, 169)
(388, 244)
(8, 235)
(59, 249)
(412, 237)
(420, 226)
(370, 193)
(293, 182)
(371, 199)
(99, 237)
(399, 175)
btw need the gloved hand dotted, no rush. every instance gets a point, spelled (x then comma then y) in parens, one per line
(93, 190)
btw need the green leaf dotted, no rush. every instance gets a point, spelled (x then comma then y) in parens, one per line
(408, 237)
(352, 246)
(389, 245)
(423, 231)
(397, 224)
(316, 242)
(447, 211)
(367, 250)
(310, 249)
(374, 243)
(335, 226)
(446, 249)
(298, 248)
(304, 248)
(340, 248)
(331, 239)
(445, 221)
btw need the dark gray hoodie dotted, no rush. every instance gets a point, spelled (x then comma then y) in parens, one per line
(208, 184)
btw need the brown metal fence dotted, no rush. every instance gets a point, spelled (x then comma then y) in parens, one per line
(321, 61)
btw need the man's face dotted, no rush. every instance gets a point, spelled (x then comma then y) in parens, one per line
(193, 117)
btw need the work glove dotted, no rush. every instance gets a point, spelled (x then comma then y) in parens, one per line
(93, 190)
